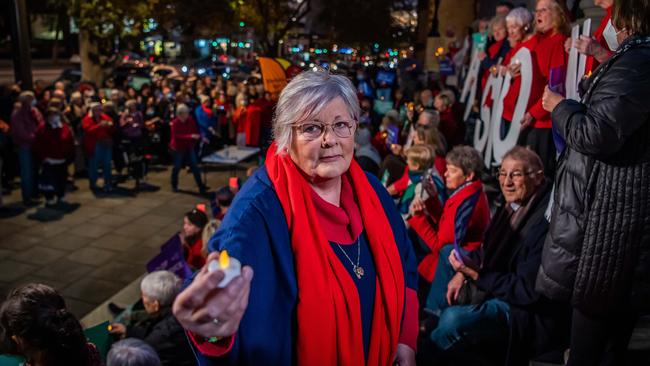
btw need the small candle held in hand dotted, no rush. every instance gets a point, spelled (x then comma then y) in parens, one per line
(230, 266)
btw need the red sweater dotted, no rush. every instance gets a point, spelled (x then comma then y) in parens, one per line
(548, 53)
(94, 132)
(54, 143)
(181, 134)
(454, 219)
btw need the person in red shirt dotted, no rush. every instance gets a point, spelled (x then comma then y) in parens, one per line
(449, 126)
(184, 134)
(463, 219)
(519, 24)
(547, 49)
(192, 238)
(54, 146)
(98, 144)
(497, 50)
(594, 47)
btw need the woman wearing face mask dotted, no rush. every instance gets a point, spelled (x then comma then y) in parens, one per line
(54, 146)
(597, 252)
(547, 50)
(597, 47)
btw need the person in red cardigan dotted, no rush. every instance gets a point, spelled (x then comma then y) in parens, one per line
(98, 144)
(464, 217)
(519, 23)
(547, 48)
(594, 47)
(184, 134)
(54, 146)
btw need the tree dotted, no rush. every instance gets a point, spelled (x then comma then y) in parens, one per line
(358, 21)
(100, 23)
(194, 18)
(270, 20)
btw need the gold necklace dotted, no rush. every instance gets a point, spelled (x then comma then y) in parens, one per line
(356, 268)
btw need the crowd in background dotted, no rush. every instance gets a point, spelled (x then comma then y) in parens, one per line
(479, 234)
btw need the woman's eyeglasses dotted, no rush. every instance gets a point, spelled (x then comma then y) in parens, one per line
(313, 130)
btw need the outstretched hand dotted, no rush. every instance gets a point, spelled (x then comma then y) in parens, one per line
(209, 311)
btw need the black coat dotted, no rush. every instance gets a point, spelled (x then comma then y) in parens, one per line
(166, 335)
(597, 253)
(538, 326)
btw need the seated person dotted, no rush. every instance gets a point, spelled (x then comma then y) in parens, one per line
(157, 325)
(223, 198)
(193, 224)
(463, 218)
(132, 352)
(503, 314)
(35, 323)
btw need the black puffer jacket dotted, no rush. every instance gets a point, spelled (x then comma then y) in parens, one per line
(597, 253)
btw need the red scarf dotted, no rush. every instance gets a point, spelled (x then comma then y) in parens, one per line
(207, 110)
(328, 309)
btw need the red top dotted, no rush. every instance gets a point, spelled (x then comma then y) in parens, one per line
(435, 236)
(94, 132)
(510, 100)
(54, 143)
(250, 123)
(449, 127)
(548, 52)
(492, 52)
(194, 256)
(592, 63)
(181, 134)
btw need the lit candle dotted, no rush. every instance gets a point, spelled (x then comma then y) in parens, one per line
(230, 266)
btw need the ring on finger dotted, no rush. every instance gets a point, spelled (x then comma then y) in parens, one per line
(215, 321)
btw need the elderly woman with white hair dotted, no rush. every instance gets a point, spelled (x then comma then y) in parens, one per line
(157, 326)
(335, 272)
(132, 352)
(184, 135)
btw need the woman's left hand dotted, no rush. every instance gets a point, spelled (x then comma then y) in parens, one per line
(550, 99)
(405, 355)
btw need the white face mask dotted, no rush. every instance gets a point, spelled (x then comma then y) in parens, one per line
(610, 36)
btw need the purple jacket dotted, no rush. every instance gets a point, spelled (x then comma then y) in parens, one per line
(24, 123)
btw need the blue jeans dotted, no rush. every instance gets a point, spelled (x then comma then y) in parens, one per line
(437, 299)
(188, 156)
(103, 156)
(27, 172)
(463, 326)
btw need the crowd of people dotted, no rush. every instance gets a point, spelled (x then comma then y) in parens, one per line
(109, 128)
(373, 233)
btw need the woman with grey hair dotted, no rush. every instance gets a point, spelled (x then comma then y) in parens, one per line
(519, 25)
(132, 352)
(157, 326)
(330, 251)
(184, 135)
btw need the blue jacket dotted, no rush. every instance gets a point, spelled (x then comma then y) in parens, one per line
(204, 121)
(255, 232)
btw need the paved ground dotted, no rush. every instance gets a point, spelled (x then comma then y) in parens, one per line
(93, 252)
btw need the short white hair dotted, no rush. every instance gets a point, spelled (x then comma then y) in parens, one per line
(520, 16)
(305, 96)
(132, 352)
(162, 286)
(182, 108)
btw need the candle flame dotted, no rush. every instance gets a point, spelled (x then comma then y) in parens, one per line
(224, 259)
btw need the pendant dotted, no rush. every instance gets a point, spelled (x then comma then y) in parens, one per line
(358, 270)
